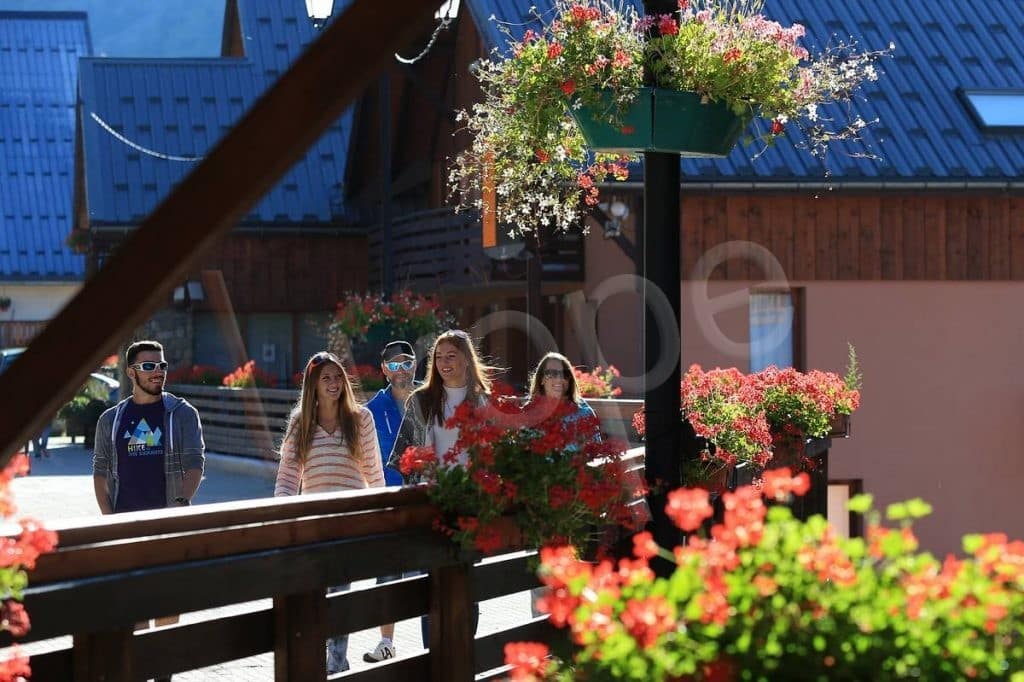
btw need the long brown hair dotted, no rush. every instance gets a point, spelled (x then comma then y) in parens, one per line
(478, 380)
(302, 421)
(537, 380)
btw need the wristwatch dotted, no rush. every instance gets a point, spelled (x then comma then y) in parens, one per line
(183, 501)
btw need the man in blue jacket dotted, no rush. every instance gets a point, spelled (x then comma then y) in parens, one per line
(398, 362)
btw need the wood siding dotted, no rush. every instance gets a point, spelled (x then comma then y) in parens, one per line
(295, 274)
(861, 236)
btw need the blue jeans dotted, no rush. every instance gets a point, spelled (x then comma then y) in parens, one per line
(40, 442)
(337, 647)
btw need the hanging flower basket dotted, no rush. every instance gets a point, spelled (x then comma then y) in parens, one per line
(567, 105)
(662, 120)
(685, 125)
(633, 133)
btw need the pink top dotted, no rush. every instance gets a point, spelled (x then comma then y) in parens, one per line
(330, 465)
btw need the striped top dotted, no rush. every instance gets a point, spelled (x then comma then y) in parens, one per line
(330, 465)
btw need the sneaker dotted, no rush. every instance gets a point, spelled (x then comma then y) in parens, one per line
(383, 652)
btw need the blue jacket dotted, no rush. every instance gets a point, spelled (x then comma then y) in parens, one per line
(387, 416)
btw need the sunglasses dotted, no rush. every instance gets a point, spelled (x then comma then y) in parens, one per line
(394, 366)
(318, 359)
(556, 374)
(149, 366)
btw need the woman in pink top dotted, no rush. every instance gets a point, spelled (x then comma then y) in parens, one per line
(331, 441)
(330, 445)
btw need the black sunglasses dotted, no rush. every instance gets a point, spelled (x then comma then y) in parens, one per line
(149, 366)
(556, 374)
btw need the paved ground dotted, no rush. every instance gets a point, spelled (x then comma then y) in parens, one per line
(61, 488)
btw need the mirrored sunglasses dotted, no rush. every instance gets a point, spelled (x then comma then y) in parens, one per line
(149, 366)
(394, 366)
(556, 374)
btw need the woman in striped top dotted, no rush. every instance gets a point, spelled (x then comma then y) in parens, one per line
(317, 454)
(330, 445)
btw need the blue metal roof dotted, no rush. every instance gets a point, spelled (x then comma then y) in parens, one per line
(39, 54)
(181, 108)
(491, 16)
(924, 133)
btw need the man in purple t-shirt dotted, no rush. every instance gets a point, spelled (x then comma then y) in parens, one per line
(149, 450)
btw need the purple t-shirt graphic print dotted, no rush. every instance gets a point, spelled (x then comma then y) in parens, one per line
(141, 443)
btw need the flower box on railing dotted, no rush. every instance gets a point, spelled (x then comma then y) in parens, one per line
(840, 426)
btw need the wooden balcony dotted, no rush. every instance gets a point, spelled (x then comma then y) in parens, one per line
(442, 249)
(18, 333)
(108, 575)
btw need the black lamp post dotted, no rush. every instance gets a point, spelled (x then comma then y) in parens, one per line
(661, 257)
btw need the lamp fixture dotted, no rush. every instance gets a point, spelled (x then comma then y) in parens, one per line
(187, 293)
(615, 212)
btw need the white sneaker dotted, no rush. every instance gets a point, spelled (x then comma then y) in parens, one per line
(384, 651)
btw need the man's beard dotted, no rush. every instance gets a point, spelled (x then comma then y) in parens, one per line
(147, 388)
(401, 382)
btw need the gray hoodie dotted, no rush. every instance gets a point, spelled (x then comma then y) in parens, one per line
(185, 445)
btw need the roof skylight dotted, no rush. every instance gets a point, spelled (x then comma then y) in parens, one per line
(996, 109)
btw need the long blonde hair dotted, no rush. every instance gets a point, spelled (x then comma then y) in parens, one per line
(478, 380)
(302, 422)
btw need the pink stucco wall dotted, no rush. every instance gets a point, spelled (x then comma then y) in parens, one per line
(943, 399)
(942, 416)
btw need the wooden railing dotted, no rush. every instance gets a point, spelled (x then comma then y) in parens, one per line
(107, 576)
(431, 249)
(18, 333)
(241, 421)
(441, 248)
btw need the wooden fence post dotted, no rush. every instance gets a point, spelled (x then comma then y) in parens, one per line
(104, 656)
(451, 624)
(300, 636)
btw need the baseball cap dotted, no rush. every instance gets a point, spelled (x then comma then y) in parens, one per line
(397, 348)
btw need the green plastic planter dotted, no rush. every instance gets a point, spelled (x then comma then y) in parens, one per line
(682, 124)
(664, 121)
(632, 135)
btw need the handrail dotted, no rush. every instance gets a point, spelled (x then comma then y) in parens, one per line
(109, 574)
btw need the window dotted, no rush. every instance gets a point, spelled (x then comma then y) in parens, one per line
(846, 523)
(996, 109)
(776, 329)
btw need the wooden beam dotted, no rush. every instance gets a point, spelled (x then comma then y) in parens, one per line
(451, 636)
(299, 634)
(104, 656)
(137, 525)
(90, 560)
(245, 164)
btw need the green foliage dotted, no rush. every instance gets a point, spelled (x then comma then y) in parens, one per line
(774, 598)
(80, 415)
(853, 377)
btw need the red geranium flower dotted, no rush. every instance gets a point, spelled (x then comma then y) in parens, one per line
(528, 660)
